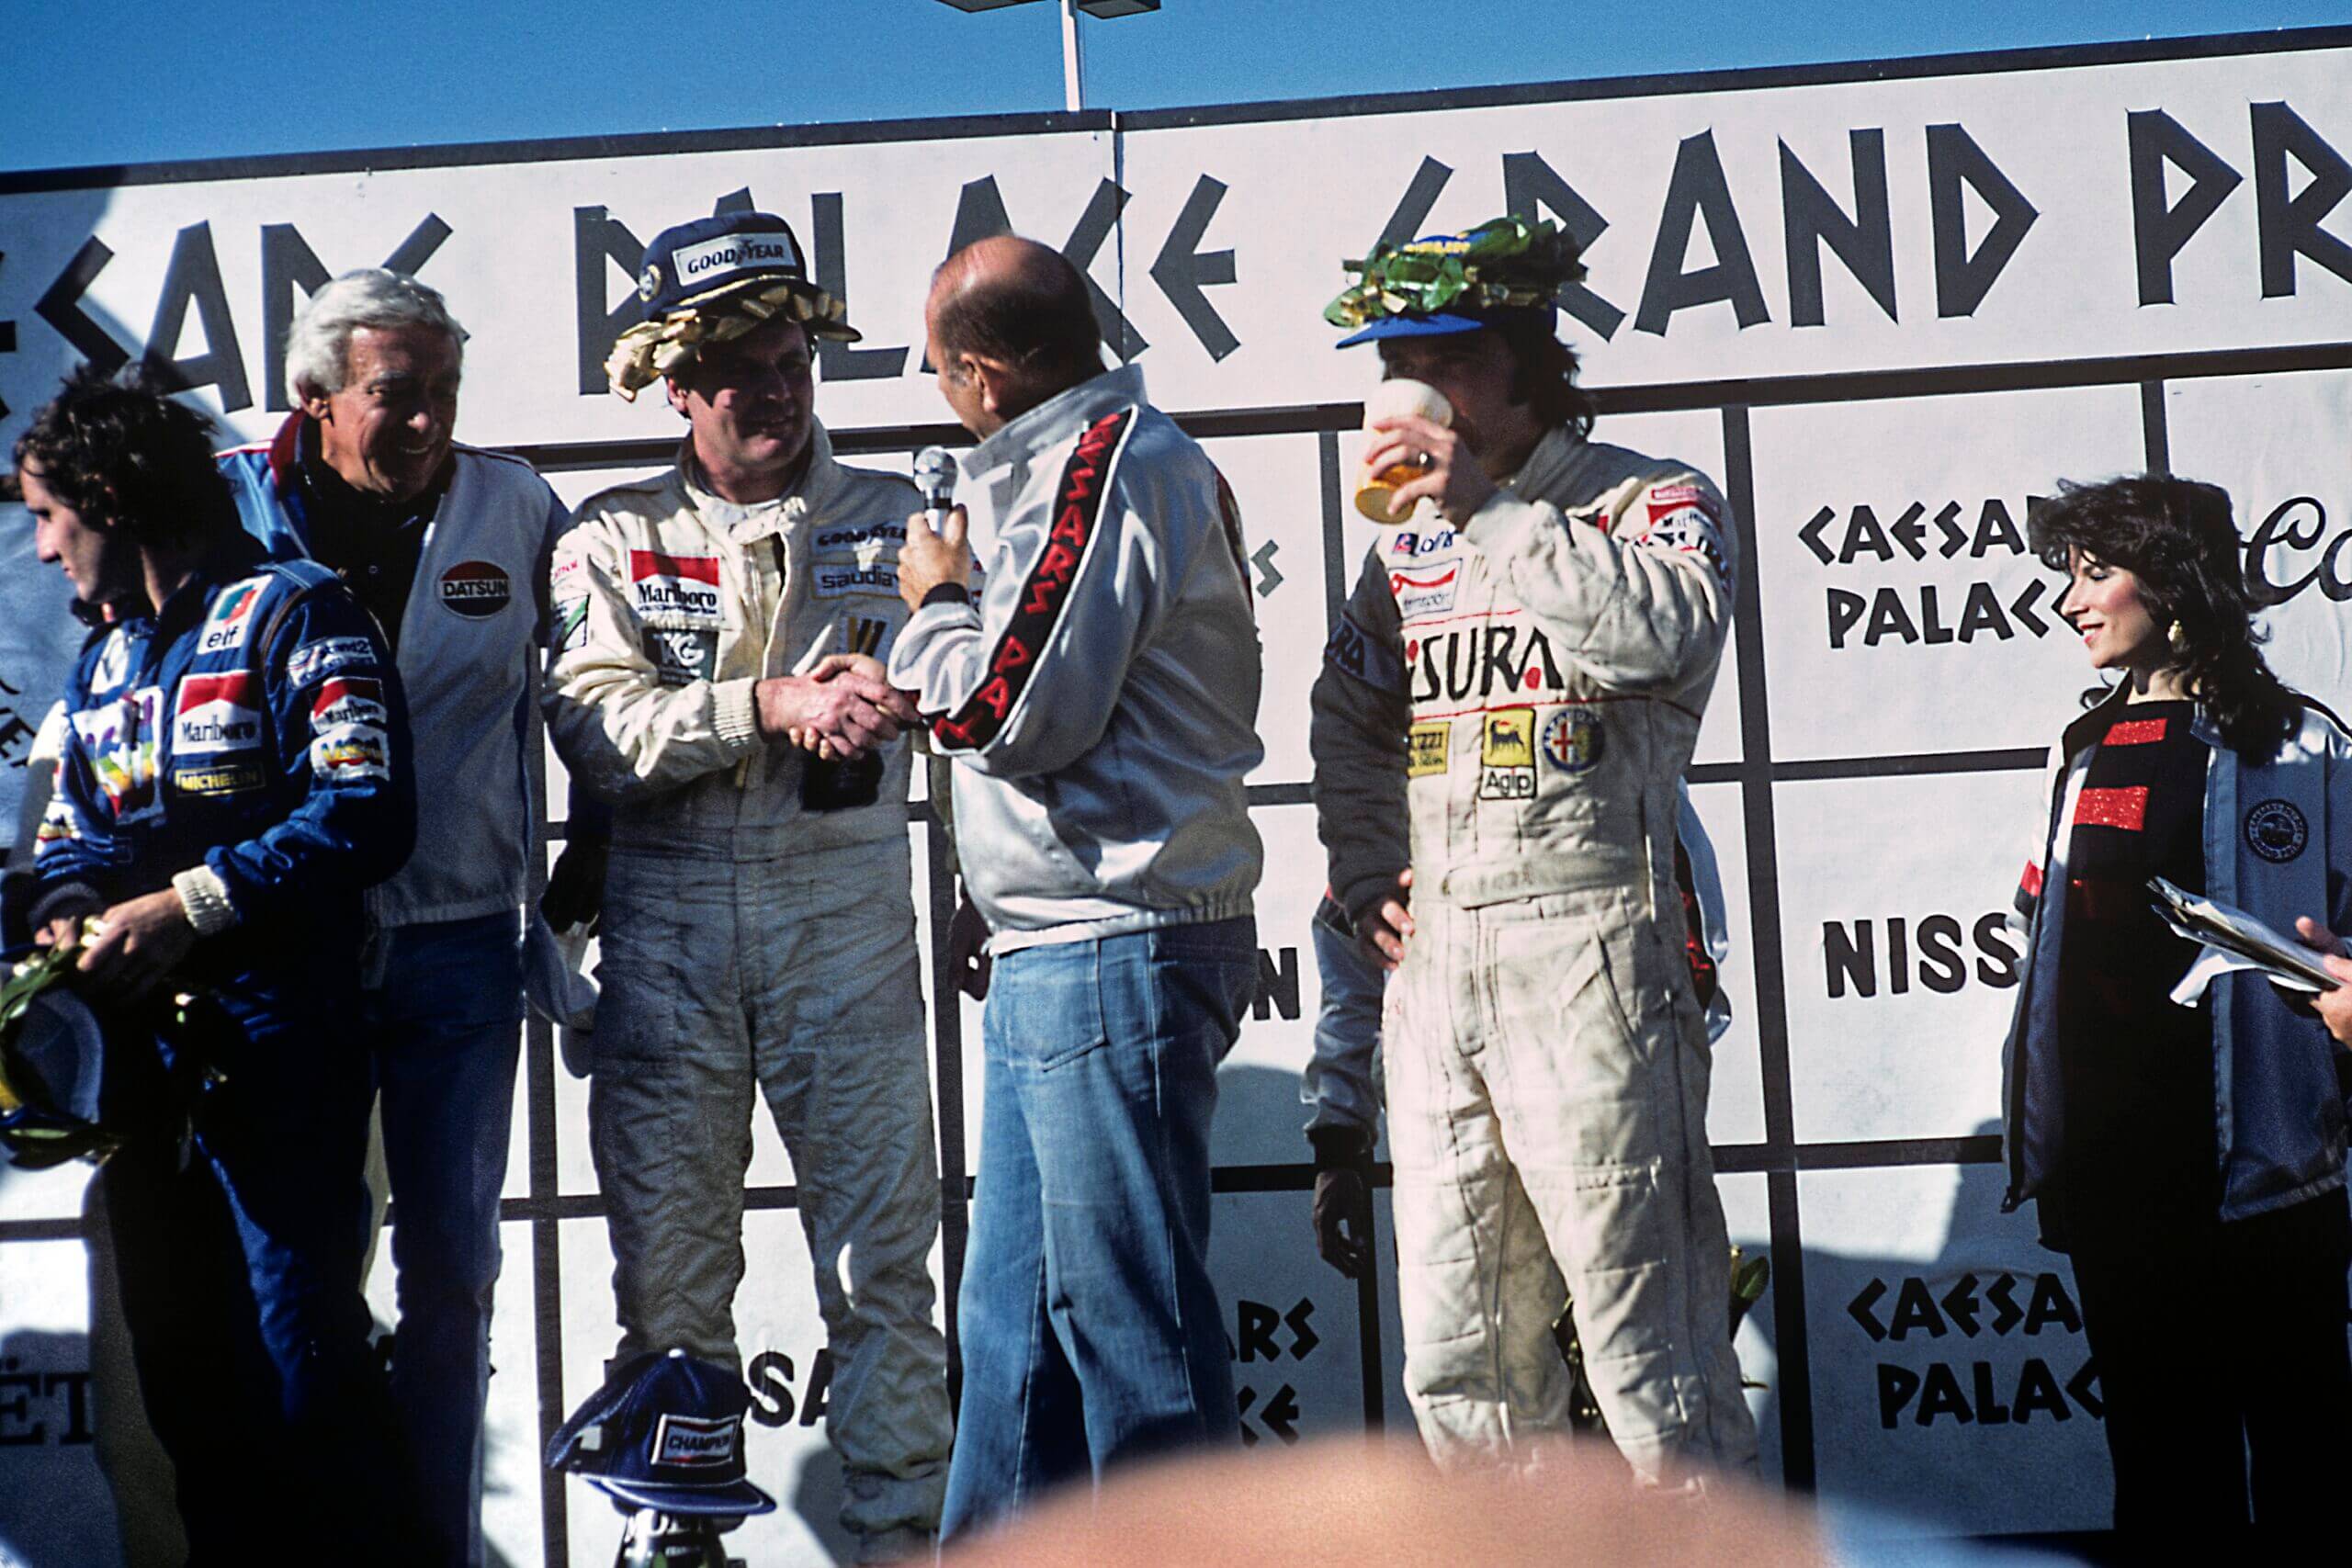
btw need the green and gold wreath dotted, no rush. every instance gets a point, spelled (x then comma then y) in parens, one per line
(1503, 263)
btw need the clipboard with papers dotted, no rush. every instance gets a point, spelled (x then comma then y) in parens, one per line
(2233, 940)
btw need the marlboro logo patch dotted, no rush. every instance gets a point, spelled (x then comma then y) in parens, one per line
(217, 713)
(1045, 593)
(685, 586)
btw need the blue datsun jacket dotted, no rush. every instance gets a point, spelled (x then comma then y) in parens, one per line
(253, 726)
(2277, 844)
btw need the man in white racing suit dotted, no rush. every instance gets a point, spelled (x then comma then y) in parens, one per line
(758, 925)
(1519, 677)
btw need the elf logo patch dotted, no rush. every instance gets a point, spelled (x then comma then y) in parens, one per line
(699, 1442)
(216, 713)
(476, 589)
(232, 617)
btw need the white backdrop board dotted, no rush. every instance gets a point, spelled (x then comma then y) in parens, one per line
(1886, 306)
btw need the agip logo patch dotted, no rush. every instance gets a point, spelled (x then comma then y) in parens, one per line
(1506, 754)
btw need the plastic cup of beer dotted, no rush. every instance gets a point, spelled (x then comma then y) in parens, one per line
(1391, 400)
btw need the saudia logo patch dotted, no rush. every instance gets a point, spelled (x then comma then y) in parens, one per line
(476, 589)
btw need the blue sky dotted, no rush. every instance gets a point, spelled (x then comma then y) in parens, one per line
(136, 81)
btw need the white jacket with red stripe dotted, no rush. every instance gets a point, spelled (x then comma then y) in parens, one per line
(1100, 699)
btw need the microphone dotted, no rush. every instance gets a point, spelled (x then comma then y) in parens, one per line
(936, 477)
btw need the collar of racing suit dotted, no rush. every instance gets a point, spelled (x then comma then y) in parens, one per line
(1554, 457)
(1058, 419)
(821, 478)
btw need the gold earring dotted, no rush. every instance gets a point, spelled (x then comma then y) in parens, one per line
(2178, 636)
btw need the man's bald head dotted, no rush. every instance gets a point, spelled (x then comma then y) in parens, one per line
(1020, 307)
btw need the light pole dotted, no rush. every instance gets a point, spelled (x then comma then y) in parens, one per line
(1073, 59)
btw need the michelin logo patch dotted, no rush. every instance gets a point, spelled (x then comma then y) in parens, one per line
(316, 661)
(232, 777)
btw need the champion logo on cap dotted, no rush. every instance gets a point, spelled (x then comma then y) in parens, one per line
(694, 1442)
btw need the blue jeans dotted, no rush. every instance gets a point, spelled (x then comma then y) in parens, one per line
(1092, 1334)
(443, 1028)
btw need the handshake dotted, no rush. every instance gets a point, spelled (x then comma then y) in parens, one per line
(842, 709)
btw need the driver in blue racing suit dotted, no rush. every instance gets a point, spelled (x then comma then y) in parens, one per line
(234, 773)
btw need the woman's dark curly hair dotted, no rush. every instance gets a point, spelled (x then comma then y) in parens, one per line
(2177, 537)
(114, 448)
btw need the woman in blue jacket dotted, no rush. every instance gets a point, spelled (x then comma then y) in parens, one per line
(2189, 1157)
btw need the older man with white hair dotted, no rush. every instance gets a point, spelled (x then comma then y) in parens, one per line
(449, 547)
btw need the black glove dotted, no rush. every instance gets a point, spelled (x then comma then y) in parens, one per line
(1343, 1198)
(575, 893)
(1369, 924)
(968, 953)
